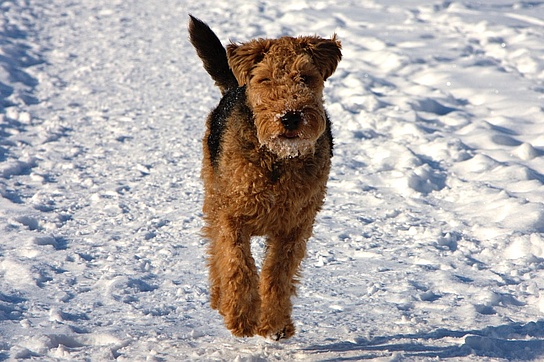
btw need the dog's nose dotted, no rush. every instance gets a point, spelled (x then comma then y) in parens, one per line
(291, 120)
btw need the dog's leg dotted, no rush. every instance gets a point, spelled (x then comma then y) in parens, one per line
(239, 300)
(214, 275)
(277, 283)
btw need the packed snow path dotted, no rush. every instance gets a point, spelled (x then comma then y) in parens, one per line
(430, 244)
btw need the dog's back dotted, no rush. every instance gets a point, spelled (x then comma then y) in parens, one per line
(212, 53)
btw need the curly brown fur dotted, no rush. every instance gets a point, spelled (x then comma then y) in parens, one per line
(267, 151)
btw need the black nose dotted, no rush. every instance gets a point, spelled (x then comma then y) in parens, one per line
(291, 120)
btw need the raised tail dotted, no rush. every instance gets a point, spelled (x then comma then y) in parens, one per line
(212, 53)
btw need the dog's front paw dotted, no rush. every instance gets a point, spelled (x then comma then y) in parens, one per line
(241, 327)
(287, 331)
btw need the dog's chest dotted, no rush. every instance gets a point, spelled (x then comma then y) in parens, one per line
(287, 184)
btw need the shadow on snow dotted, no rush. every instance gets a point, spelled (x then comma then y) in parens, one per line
(511, 341)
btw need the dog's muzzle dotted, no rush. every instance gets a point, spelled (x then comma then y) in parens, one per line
(291, 120)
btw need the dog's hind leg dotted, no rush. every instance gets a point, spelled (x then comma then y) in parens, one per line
(214, 276)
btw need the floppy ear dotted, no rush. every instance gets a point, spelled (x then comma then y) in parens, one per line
(242, 57)
(325, 53)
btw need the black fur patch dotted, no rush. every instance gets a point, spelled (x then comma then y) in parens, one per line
(219, 118)
(328, 131)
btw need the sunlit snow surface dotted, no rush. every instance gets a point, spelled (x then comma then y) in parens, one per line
(431, 241)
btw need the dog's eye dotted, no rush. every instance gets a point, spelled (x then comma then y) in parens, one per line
(263, 80)
(306, 79)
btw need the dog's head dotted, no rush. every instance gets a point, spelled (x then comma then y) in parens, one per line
(285, 79)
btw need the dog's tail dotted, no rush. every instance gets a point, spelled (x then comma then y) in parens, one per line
(212, 53)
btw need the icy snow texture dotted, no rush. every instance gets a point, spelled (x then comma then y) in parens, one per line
(430, 242)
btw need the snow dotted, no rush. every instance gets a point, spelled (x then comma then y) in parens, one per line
(430, 244)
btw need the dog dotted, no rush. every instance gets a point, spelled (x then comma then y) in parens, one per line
(266, 158)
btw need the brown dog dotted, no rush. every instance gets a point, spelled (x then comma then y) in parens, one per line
(267, 151)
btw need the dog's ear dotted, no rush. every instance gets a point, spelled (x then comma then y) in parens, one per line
(326, 54)
(242, 57)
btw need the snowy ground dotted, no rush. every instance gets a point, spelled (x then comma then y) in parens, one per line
(431, 242)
